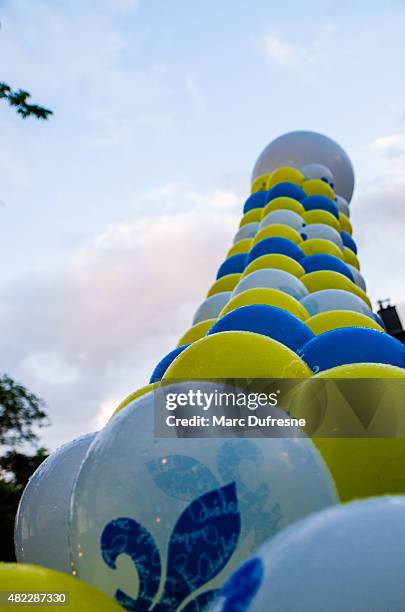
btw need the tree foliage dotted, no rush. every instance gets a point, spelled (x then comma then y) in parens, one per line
(19, 100)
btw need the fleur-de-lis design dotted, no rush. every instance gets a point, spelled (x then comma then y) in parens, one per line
(242, 587)
(203, 540)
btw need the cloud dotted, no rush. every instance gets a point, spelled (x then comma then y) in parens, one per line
(389, 146)
(284, 53)
(97, 324)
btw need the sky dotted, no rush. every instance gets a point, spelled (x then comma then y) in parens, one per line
(116, 213)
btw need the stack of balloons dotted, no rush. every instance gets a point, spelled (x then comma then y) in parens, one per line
(217, 524)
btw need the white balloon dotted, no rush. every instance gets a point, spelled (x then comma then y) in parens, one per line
(283, 217)
(246, 231)
(317, 171)
(321, 230)
(172, 515)
(358, 278)
(274, 279)
(349, 557)
(342, 205)
(300, 148)
(211, 307)
(334, 299)
(41, 528)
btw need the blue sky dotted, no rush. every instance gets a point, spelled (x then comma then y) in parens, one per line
(117, 212)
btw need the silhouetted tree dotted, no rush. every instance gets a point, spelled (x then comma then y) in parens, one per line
(19, 100)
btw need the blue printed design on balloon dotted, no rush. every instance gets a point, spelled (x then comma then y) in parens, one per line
(126, 536)
(181, 476)
(210, 525)
(242, 587)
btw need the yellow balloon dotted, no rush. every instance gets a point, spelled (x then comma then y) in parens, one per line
(318, 187)
(237, 354)
(225, 283)
(285, 174)
(196, 332)
(321, 216)
(252, 215)
(351, 258)
(314, 246)
(260, 183)
(243, 246)
(271, 297)
(278, 230)
(329, 279)
(363, 467)
(282, 203)
(133, 396)
(333, 319)
(345, 223)
(274, 260)
(25, 578)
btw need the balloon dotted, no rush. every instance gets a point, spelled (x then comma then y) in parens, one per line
(250, 217)
(275, 260)
(267, 320)
(327, 279)
(302, 147)
(225, 283)
(313, 263)
(325, 232)
(232, 265)
(319, 246)
(321, 216)
(237, 354)
(285, 174)
(256, 200)
(260, 183)
(246, 231)
(164, 363)
(138, 393)
(320, 202)
(282, 246)
(350, 258)
(334, 299)
(378, 320)
(318, 171)
(345, 223)
(243, 246)
(211, 307)
(342, 205)
(357, 277)
(352, 345)
(283, 203)
(277, 230)
(179, 503)
(316, 187)
(333, 319)
(286, 190)
(25, 578)
(41, 529)
(285, 217)
(348, 241)
(306, 567)
(273, 279)
(271, 297)
(196, 332)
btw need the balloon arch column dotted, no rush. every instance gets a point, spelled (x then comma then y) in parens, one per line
(162, 523)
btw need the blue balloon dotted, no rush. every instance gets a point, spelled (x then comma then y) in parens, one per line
(320, 202)
(378, 320)
(164, 363)
(278, 245)
(288, 190)
(269, 321)
(321, 261)
(232, 265)
(352, 345)
(256, 200)
(348, 241)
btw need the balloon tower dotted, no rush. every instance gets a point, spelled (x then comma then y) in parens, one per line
(123, 518)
